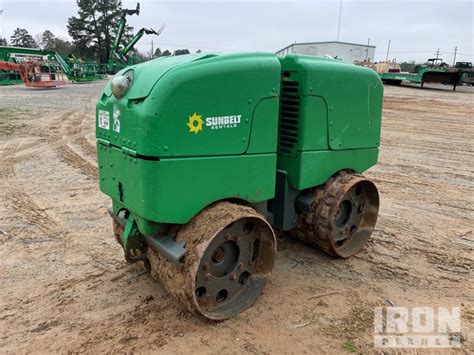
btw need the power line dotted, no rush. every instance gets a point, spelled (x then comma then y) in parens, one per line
(1, 23)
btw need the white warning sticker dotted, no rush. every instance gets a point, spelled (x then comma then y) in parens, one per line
(104, 119)
(116, 125)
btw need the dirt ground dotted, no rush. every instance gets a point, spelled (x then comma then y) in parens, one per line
(65, 287)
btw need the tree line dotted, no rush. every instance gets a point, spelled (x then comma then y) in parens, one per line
(159, 53)
(92, 31)
(22, 38)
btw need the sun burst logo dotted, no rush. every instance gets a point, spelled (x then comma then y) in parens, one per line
(195, 123)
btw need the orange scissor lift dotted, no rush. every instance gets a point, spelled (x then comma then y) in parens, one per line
(32, 74)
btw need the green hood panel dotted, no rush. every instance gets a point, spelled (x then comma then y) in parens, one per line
(193, 105)
(348, 99)
(153, 69)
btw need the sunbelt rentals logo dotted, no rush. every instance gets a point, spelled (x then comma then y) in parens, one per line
(196, 123)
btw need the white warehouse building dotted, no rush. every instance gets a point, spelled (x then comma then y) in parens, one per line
(348, 52)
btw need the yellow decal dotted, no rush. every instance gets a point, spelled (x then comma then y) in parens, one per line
(195, 123)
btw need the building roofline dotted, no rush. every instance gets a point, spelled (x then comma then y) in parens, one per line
(285, 47)
(326, 42)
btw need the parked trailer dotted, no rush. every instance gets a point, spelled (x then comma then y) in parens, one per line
(433, 72)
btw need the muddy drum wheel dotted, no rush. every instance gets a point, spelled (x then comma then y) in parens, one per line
(230, 255)
(342, 216)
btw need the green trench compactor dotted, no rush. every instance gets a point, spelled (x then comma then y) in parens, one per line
(207, 156)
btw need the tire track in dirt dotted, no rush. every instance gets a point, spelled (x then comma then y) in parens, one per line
(70, 157)
(21, 202)
(24, 153)
(87, 147)
(59, 134)
(6, 170)
(392, 254)
(27, 207)
(70, 128)
(62, 125)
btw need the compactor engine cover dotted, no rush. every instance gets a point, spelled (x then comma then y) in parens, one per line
(188, 131)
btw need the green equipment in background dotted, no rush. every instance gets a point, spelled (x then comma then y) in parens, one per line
(75, 69)
(10, 78)
(119, 59)
(78, 70)
(207, 156)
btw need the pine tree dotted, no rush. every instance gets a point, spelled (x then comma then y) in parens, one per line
(47, 39)
(62, 46)
(21, 38)
(94, 29)
(181, 51)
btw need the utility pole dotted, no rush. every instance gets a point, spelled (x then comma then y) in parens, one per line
(455, 52)
(339, 22)
(152, 52)
(367, 50)
(437, 54)
(1, 24)
(388, 50)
